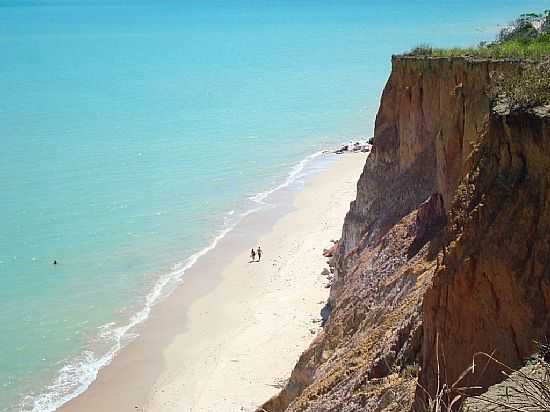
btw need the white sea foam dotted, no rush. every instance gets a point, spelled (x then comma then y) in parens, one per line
(292, 176)
(77, 375)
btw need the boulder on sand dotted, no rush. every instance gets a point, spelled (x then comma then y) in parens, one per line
(331, 250)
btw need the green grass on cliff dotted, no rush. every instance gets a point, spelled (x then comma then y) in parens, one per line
(537, 49)
(528, 37)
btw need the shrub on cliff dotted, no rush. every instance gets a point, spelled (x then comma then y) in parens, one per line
(523, 390)
(421, 50)
(527, 89)
(523, 29)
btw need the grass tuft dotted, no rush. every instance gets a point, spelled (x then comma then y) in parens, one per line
(524, 390)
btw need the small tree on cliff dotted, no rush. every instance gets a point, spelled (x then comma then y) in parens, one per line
(526, 28)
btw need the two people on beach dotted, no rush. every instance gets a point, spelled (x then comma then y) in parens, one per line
(253, 254)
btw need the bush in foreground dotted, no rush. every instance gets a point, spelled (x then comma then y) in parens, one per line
(523, 390)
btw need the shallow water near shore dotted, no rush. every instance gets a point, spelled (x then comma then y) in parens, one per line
(136, 135)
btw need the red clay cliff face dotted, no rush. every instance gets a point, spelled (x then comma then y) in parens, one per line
(432, 113)
(448, 237)
(491, 292)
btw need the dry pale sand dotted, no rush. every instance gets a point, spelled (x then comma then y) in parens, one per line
(237, 339)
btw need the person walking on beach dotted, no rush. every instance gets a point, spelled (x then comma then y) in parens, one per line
(253, 255)
(259, 254)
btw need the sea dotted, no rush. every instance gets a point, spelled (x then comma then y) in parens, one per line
(135, 134)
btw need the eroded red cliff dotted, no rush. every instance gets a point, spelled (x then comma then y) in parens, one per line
(447, 241)
(491, 292)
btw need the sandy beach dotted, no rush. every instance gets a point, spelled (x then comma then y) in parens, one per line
(228, 337)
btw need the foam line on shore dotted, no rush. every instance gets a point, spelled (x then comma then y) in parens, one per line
(292, 176)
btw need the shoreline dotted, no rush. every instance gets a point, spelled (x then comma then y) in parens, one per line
(75, 377)
(170, 341)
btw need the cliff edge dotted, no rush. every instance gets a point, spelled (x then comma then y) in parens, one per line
(444, 253)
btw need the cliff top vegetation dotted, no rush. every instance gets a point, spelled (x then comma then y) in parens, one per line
(528, 37)
(526, 89)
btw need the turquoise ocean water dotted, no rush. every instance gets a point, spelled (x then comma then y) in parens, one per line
(134, 133)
